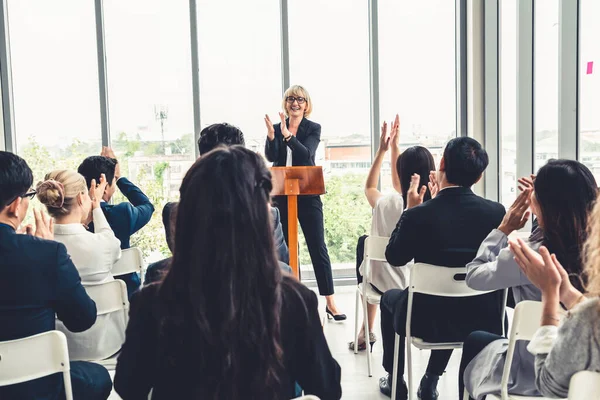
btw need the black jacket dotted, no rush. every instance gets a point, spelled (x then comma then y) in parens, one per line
(447, 231)
(304, 145)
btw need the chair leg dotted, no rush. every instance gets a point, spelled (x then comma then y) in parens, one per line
(68, 387)
(395, 369)
(366, 327)
(466, 395)
(409, 367)
(356, 322)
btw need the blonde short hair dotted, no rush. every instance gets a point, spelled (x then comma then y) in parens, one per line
(59, 191)
(297, 91)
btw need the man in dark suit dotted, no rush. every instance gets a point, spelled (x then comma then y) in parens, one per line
(445, 231)
(212, 136)
(39, 283)
(125, 218)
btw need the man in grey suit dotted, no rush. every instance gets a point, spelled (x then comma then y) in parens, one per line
(212, 136)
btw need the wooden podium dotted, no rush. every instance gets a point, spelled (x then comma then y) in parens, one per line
(293, 182)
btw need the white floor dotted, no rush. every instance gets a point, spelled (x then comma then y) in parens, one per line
(355, 382)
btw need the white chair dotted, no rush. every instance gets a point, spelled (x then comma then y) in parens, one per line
(307, 397)
(111, 299)
(526, 322)
(374, 251)
(437, 281)
(584, 385)
(131, 260)
(34, 357)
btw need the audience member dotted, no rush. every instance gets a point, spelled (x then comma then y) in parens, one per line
(563, 349)
(38, 282)
(445, 231)
(156, 271)
(65, 195)
(124, 218)
(225, 323)
(562, 197)
(386, 213)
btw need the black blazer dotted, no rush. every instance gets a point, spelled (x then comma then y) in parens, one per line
(447, 231)
(306, 355)
(39, 283)
(304, 145)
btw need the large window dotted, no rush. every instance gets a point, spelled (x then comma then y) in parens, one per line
(240, 65)
(589, 86)
(150, 102)
(417, 77)
(545, 78)
(55, 82)
(508, 100)
(329, 55)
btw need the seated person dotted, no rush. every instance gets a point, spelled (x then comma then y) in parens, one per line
(386, 213)
(562, 349)
(224, 134)
(265, 333)
(444, 231)
(125, 218)
(65, 195)
(38, 282)
(563, 195)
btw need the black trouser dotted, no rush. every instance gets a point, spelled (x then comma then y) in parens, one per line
(473, 345)
(438, 360)
(310, 215)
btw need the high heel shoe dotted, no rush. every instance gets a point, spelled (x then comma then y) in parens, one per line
(363, 346)
(336, 317)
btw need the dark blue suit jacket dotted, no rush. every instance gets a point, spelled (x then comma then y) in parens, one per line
(39, 283)
(127, 218)
(304, 145)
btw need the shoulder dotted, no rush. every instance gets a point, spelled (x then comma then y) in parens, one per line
(585, 314)
(295, 296)
(275, 212)
(40, 248)
(145, 297)
(312, 125)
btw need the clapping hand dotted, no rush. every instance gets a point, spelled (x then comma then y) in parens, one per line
(44, 226)
(384, 139)
(526, 182)
(434, 187)
(284, 129)
(543, 270)
(270, 128)
(108, 152)
(518, 214)
(97, 190)
(415, 196)
(395, 132)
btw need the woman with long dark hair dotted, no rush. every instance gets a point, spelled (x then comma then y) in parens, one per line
(386, 213)
(225, 323)
(562, 195)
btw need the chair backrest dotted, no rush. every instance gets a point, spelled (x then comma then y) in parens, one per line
(440, 281)
(131, 260)
(526, 321)
(110, 297)
(374, 251)
(584, 385)
(34, 357)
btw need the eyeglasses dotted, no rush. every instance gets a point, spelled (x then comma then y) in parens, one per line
(31, 194)
(291, 99)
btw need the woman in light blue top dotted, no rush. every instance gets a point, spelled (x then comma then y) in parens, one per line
(560, 197)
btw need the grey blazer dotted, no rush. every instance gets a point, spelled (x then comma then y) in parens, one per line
(283, 254)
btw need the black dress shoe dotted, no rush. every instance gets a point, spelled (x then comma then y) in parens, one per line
(337, 317)
(385, 387)
(428, 387)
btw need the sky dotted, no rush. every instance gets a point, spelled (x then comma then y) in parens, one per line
(149, 66)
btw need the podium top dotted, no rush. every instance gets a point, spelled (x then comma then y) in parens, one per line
(309, 181)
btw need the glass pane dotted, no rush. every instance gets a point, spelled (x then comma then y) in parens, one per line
(240, 64)
(545, 81)
(55, 82)
(329, 56)
(589, 86)
(508, 100)
(150, 102)
(417, 64)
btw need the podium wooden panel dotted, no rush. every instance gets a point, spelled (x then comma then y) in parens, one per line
(293, 182)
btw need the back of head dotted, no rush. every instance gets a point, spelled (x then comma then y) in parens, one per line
(415, 160)
(222, 134)
(15, 178)
(94, 166)
(59, 191)
(168, 217)
(565, 191)
(222, 294)
(464, 160)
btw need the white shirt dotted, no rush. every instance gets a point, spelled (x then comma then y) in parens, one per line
(93, 254)
(386, 215)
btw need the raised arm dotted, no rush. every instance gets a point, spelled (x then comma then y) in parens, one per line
(140, 210)
(371, 191)
(395, 150)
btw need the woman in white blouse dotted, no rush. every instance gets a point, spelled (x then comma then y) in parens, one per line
(387, 209)
(65, 195)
